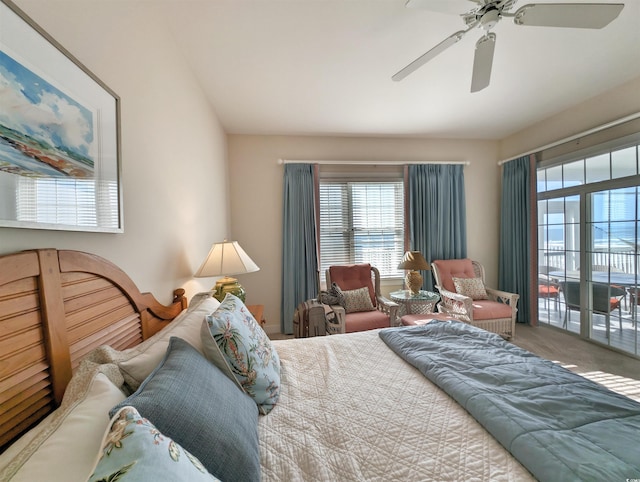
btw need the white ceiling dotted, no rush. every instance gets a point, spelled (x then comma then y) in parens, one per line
(324, 67)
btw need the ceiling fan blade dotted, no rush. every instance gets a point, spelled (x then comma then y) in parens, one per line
(482, 62)
(424, 58)
(574, 15)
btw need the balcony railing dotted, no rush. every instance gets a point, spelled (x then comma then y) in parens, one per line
(626, 261)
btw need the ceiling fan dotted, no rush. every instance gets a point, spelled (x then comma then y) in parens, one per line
(488, 13)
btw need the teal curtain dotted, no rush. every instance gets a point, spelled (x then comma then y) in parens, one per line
(299, 253)
(515, 233)
(437, 214)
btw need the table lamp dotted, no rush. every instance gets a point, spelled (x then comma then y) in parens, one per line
(225, 259)
(413, 261)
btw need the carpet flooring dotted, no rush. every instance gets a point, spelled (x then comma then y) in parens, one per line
(615, 370)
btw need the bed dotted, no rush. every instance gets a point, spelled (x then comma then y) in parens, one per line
(55, 307)
(85, 356)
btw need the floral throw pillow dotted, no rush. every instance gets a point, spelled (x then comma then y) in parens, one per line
(357, 300)
(234, 342)
(471, 287)
(133, 449)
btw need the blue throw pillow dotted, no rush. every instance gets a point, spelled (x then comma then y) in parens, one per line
(234, 341)
(134, 450)
(190, 400)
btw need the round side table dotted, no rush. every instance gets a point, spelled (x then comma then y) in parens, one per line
(421, 303)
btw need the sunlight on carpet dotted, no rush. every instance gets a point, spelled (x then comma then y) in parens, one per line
(625, 386)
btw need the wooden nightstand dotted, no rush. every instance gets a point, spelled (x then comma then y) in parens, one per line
(258, 313)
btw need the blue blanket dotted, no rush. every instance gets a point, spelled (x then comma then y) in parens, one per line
(559, 425)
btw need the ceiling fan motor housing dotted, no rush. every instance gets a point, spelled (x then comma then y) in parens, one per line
(487, 15)
(489, 19)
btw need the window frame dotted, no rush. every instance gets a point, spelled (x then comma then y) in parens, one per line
(349, 177)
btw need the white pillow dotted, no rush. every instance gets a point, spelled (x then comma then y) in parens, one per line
(19, 445)
(64, 446)
(138, 362)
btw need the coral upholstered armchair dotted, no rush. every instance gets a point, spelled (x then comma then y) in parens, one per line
(365, 308)
(465, 297)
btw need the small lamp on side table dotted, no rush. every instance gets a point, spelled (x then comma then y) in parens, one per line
(414, 261)
(227, 258)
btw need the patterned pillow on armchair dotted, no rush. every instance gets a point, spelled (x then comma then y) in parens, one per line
(357, 300)
(354, 276)
(471, 287)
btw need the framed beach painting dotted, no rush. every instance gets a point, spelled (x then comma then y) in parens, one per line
(59, 135)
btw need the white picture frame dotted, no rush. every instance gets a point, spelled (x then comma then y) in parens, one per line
(59, 135)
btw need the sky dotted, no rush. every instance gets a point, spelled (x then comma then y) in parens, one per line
(31, 105)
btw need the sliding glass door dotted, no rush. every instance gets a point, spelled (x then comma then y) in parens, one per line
(558, 257)
(613, 266)
(588, 236)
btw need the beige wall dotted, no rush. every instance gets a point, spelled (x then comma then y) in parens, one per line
(256, 196)
(608, 107)
(174, 160)
(256, 181)
(173, 148)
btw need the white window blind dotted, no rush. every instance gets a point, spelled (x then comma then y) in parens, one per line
(67, 201)
(362, 222)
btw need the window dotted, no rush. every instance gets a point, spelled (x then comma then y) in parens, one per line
(69, 201)
(362, 222)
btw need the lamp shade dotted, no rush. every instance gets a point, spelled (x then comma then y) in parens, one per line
(226, 258)
(414, 260)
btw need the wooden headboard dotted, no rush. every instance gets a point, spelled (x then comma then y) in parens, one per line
(55, 307)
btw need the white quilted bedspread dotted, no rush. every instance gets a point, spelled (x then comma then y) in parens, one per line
(350, 409)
